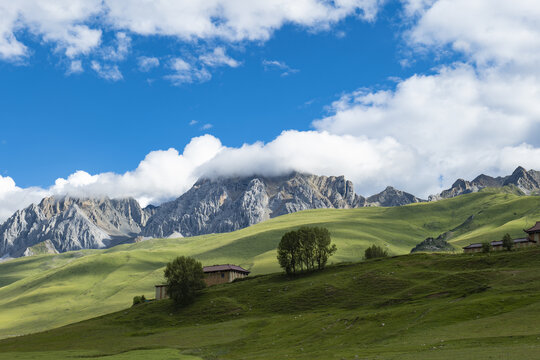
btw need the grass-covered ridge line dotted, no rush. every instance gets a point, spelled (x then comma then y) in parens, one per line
(421, 306)
(47, 291)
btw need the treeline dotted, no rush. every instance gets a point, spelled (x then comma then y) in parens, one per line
(307, 248)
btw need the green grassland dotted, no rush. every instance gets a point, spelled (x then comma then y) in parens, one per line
(47, 291)
(421, 306)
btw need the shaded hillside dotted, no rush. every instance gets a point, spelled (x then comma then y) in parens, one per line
(83, 284)
(409, 307)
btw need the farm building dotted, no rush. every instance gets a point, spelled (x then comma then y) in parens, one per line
(161, 292)
(533, 239)
(213, 275)
(220, 274)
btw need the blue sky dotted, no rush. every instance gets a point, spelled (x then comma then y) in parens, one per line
(55, 124)
(407, 93)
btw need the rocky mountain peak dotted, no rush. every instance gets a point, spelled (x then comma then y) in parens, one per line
(392, 197)
(228, 204)
(526, 181)
(70, 223)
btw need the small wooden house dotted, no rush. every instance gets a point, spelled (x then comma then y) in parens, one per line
(220, 274)
(534, 233)
(161, 292)
(213, 275)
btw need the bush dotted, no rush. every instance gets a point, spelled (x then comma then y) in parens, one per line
(185, 277)
(139, 300)
(507, 242)
(374, 252)
(486, 247)
(307, 248)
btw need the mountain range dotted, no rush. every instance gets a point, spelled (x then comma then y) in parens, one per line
(59, 224)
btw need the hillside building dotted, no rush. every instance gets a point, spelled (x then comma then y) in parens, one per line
(532, 239)
(161, 292)
(220, 274)
(213, 275)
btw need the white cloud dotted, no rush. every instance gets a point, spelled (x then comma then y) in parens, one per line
(75, 67)
(279, 65)
(147, 63)
(121, 49)
(107, 71)
(193, 122)
(456, 123)
(13, 197)
(185, 73)
(207, 126)
(75, 27)
(218, 57)
(490, 32)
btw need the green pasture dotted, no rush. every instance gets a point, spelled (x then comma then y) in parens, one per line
(43, 292)
(421, 306)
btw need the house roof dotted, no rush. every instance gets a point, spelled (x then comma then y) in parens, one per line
(227, 267)
(535, 228)
(497, 243)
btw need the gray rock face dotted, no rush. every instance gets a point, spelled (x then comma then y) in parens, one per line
(433, 245)
(526, 181)
(224, 205)
(66, 223)
(392, 197)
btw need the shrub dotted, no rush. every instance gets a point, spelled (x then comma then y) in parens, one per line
(185, 277)
(486, 247)
(507, 242)
(307, 248)
(138, 300)
(374, 252)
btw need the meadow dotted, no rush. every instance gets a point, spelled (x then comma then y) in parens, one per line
(420, 306)
(47, 291)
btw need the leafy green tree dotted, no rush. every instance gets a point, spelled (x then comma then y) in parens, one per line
(307, 248)
(507, 242)
(486, 247)
(289, 252)
(374, 252)
(323, 247)
(185, 276)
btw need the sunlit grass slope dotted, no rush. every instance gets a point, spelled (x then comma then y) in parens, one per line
(421, 306)
(47, 291)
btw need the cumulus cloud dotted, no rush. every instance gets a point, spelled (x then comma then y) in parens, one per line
(488, 31)
(76, 27)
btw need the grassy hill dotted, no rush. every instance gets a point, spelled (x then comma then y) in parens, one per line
(421, 306)
(47, 291)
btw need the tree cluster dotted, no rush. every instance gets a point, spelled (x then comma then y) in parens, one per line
(374, 252)
(185, 276)
(307, 248)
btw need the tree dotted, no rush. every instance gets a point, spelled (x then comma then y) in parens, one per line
(307, 248)
(374, 252)
(289, 252)
(507, 242)
(185, 277)
(486, 247)
(323, 247)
